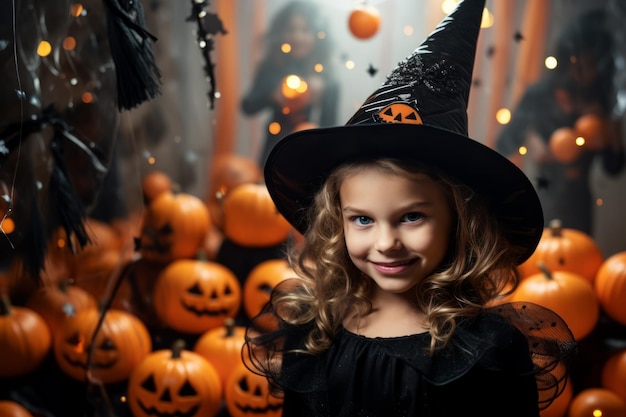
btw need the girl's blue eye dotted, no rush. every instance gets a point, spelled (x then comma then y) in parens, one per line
(362, 220)
(412, 217)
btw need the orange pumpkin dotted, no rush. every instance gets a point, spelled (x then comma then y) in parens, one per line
(260, 283)
(13, 409)
(569, 295)
(222, 347)
(24, 339)
(229, 171)
(364, 22)
(193, 296)
(154, 183)
(559, 406)
(174, 382)
(55, 303)
(591, 402)
(174, 227)
(247, 393)
(565, 249)
(610, 286)
(251, 218)
(613, 373)
(121, 343)
(593, 128)
(564, 146)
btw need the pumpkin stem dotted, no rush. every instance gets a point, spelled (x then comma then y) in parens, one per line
(230, 326)
(177, 348)
(544, 268)
(5, 305)
(556, 227)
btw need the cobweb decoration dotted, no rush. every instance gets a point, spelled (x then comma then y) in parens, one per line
(209, 25)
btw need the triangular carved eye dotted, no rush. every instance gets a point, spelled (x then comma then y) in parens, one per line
(195, 289)
(149, 384)
(243, 384)
(400, 113)
(187, 390)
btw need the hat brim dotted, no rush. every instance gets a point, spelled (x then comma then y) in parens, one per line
(298, 165)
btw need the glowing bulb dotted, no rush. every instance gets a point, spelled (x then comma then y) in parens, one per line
(597, 413)
(350, 64)
(44, 48)
(448, 6)
(599, 202)
(407, 30)
(321, 35)
(318, 68)
(274, 128)
(487, 20)
(523, 150)
(503, 116)
(580, 141)
(69, 43)
(551, 62)
(285, 48)
(76, 9)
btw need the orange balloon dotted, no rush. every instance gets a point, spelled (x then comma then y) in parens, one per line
(364, 22)
(563, 145)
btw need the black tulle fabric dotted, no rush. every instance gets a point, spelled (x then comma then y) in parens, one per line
(512, 360)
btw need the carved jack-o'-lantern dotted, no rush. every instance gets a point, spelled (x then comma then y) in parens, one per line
(248, 394)
(174, 227)
(174, 382)
(194, 296)
(121, 343)
(260, 282)
(400, 113)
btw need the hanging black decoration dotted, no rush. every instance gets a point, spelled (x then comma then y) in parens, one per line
(209, 24)
(138, 77)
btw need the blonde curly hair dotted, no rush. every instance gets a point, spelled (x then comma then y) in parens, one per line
(479, 266)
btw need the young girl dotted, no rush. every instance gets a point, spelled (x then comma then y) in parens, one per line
(411, 231)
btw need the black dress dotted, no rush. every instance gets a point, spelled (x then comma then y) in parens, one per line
(510, 361)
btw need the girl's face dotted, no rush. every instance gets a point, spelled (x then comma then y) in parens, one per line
(397, 230)
(300, 36)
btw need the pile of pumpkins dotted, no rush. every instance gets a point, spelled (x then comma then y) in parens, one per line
(159, 271)
(87, 315)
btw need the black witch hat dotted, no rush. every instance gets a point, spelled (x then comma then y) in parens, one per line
(418, 114)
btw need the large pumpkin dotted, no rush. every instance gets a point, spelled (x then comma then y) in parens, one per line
(565, 249)
(248, 394)
(174, 227)
(613, 373)
(55, 303)
(222, 347)
(24, 339)
(174, 382)
(260, 283)
(121, 343)
(610, 286)
(251, 218)
(569, 295)
(597, 402)
(193, 296)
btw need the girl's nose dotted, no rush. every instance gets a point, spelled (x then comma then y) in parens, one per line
(387, 240)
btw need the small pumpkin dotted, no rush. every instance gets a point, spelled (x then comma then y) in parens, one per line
(174, 382)
(227, 172)
(564, 146)
(174, 227)
(222, 347)
(25, 339)
(613, 373)
(591, 402)
(55, 303)
(594, 129)
(154, 183)
(565, 249)
(193, 296)
(251, 218)
(610, 286)
(247, 393)
(260, 283)
(12, 409)
(121, 343)
(364, 22)
(568, 294)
